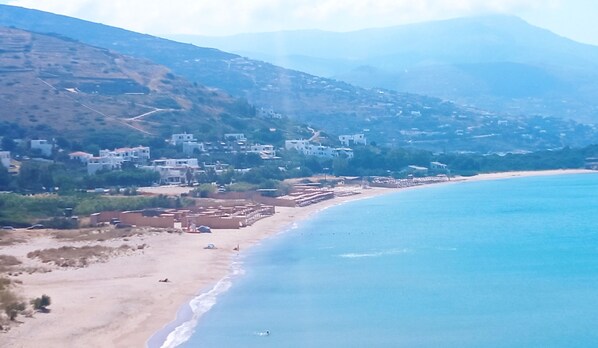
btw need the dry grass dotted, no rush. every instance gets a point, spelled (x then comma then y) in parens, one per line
(7, 262)
(77, 257)
(9, 238)
(85, 235)
(105, 233)
(8, 297)
(4, 283)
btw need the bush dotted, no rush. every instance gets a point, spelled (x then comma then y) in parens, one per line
(40, 303)
(10, 303)
(13, 309)
(61, 223)
(203, 191)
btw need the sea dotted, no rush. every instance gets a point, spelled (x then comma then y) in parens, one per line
(502, 263)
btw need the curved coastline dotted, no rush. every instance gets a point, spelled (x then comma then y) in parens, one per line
(121, 303)
(170, 331)
(179, 331)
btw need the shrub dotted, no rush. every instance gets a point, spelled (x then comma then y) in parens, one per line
(10, 303)
(13, 309)
(40, 303)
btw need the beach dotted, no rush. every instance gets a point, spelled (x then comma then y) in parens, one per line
(121, 301)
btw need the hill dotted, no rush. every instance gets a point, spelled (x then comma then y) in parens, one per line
(495, 62)
(388, 117)
(55, 86)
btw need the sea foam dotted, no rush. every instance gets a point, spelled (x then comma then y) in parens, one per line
(375, 253)
(199, 306)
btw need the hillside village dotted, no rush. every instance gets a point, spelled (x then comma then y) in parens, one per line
(183, 169)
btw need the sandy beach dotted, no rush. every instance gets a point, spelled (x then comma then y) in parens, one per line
(120, 302)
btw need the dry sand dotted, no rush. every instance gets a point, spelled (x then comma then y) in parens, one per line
(120, 303)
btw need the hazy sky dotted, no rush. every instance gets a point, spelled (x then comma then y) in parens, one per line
(571, 18)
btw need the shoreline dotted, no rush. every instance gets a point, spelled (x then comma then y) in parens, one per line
(120, 302)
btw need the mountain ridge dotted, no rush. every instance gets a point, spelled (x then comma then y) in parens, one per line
(398, 55)
(55, 86)
(391, 118)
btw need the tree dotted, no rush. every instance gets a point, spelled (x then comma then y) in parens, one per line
(5, 178)
(8, 144)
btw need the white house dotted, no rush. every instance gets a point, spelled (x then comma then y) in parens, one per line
(5, 159)
(265, 151)
(80, 156)
(438, 166)
(416, 170)
(178, 162)
(95, 164)
(43, 146)
(299, 145)
(235, 136)
(174, 171)
(189, 148)
(342, 152)
(354, 139)
(178, 139)
(139, 154)
(304, 147)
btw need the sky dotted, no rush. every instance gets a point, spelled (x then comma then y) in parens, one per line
(574, 19)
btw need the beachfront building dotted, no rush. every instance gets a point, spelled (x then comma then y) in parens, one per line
(42, 146)
(438, 167)
(351, 140)
(5, 159)
(416, 170)
(175, 171)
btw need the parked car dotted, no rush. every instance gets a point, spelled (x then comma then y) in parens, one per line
(35, 227)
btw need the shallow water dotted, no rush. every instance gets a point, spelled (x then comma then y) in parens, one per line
(506, 263)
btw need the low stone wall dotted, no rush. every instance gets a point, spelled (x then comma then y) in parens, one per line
(105, 216)
(137, 219)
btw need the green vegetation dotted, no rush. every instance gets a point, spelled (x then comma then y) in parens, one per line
(18, 210)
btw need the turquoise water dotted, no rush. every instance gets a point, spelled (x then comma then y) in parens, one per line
(506, 263)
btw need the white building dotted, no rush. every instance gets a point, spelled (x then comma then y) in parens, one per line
(416, 170)
(189, 148)
(438, 166)
(299, 145)
(80, 156)
(5, 159)
(139, 154)
(265, 151)
(178, 139)
(178, 162)
(235, 136)
(94, 164)
(304, 147)
(43, 146)
(174, 171)
(354, 139)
